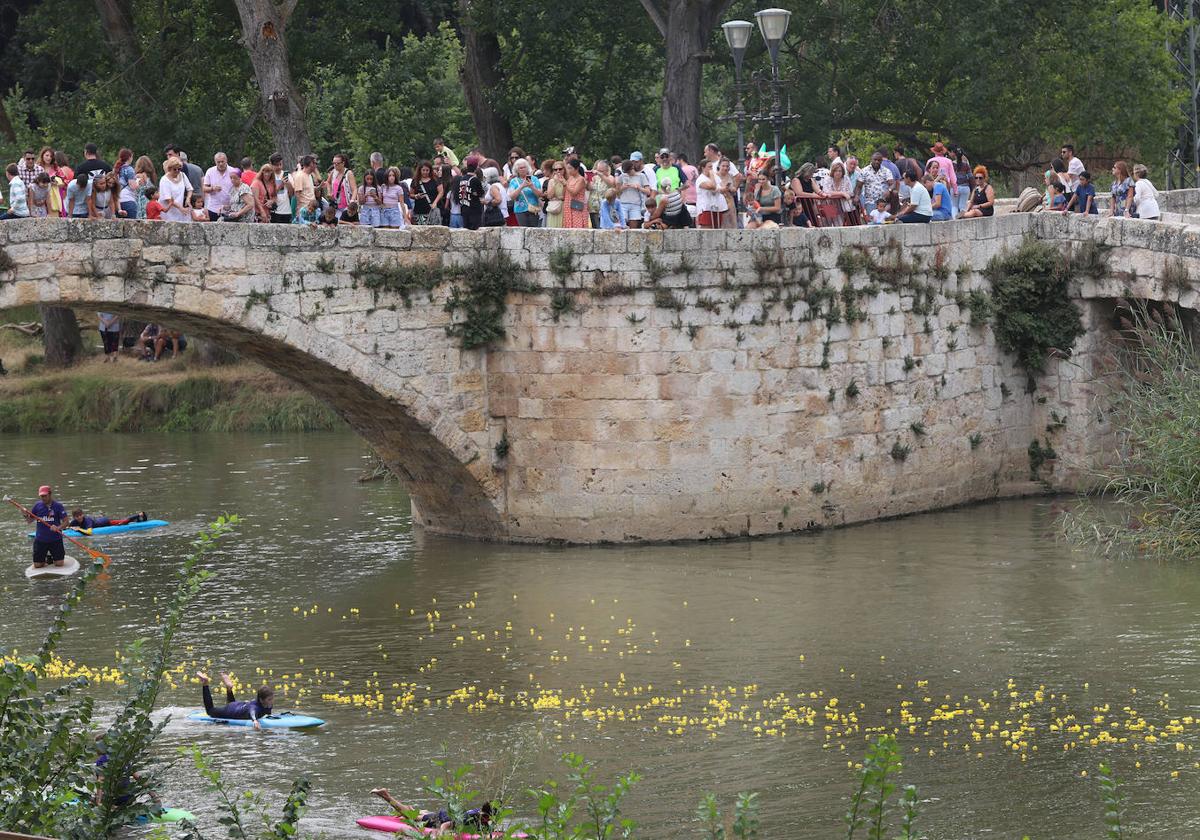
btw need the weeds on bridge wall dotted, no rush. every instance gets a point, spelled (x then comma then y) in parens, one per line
(1033, 315)
(477, 292)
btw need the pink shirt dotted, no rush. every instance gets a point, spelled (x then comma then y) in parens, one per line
(689, 189)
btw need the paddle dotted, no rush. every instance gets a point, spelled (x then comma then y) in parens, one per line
(95, 555)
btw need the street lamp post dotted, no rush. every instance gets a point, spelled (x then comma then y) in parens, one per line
(737, 35)
(773, 24)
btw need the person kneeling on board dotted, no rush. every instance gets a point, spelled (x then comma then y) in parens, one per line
(440, 820)
(86, 523)
(235, 709)
(47, 540)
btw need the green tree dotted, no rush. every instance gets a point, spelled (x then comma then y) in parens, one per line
(396, 104)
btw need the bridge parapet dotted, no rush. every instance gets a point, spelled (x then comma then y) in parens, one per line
(678, 385)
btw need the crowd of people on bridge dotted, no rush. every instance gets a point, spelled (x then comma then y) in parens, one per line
(666, 191)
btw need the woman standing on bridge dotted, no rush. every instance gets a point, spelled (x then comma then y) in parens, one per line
(1145, 196)
(265, 192)
(1122, 185)
(174, 192)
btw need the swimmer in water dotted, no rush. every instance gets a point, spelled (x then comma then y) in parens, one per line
(235, 709)
(439, 820)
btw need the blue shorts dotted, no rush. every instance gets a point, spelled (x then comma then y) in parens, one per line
(391, 217)
(456, 222)
(369, 215)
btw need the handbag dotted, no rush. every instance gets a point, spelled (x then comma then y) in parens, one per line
(554, 206)
(577, 205)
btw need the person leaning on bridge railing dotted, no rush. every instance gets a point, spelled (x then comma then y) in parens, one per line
(1145, 196)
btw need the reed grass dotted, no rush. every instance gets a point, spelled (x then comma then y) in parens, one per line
(1154, 483)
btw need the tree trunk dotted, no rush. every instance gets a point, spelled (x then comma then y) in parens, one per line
(116, 17)
(60, 336)
(687, 27)
(263, 24)
(210, 354)
(481, 78)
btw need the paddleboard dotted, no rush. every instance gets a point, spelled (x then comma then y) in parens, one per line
(114, 529)
(168, 815)
(279, 720)
(69, 567)
(395, 824)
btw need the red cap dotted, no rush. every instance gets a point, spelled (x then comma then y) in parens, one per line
(44, 490)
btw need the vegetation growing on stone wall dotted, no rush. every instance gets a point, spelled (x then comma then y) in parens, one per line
(478, 291)
(1175, 276)
(478, 294)
(1033, 314)
(1039, 455)
(403, 279)
(561, 262)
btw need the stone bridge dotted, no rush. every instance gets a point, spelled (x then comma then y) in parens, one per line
(654, 386)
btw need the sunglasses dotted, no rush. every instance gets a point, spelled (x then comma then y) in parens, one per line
(559, 169)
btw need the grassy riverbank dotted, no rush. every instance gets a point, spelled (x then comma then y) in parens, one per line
(133, 396)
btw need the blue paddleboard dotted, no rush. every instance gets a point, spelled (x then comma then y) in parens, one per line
(279, 720)
(116, 529)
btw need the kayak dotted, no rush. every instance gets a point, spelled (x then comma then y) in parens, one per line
(279, 720)
(168, 815)
(114, 529)
(395, 824)
(69, 567)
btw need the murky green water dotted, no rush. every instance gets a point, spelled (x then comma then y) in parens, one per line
(730, 666)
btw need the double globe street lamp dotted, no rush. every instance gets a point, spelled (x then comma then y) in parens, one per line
(773, 24)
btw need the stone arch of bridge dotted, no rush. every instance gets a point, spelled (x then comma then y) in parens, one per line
(407, 431)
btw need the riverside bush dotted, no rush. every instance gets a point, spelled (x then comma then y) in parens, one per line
(194, 404)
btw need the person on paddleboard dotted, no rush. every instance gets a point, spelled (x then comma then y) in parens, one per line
(235, 709)
(80, 522)
(440, 820)
(47, 540)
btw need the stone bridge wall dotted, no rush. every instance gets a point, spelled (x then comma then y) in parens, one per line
(663, 386)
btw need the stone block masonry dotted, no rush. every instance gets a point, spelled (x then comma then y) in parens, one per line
(648, 386)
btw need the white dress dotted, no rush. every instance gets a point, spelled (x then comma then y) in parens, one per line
(177, 192)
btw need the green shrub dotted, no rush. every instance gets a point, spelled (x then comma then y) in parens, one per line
(1032, 312)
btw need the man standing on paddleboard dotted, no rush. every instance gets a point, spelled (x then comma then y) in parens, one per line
(48, 541)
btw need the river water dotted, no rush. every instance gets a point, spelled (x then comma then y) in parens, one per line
(1005, 660)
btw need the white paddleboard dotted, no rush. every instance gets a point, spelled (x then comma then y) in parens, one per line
(69, 567)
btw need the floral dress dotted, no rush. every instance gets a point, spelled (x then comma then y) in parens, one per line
(1120, 195)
